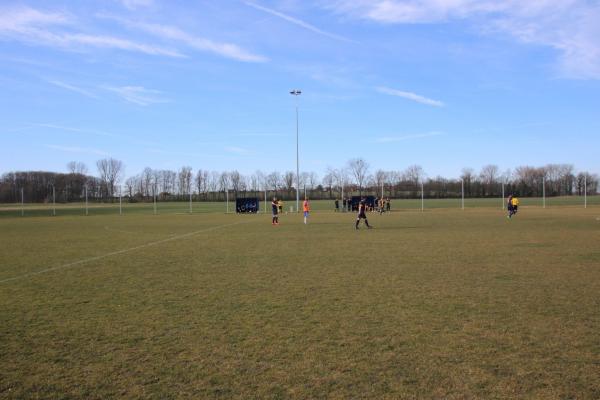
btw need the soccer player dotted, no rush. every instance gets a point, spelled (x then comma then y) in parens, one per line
(362, 208)
(381, 205)
(306, 209)
(387, 204)
(337, 205)
(275, 211)
(280, 206)
(515, 205)
(509, 206)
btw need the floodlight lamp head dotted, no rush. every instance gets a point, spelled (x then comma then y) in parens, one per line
(296, 92)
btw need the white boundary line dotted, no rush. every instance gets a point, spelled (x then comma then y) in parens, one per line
(118, 252)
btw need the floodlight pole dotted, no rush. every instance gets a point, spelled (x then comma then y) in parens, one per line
(22, 203)
(120, 201)
(86, 201)
(265, 201)
(227, 200)
(503, 195)
(53, 201)
(462, 190)
(297, 93)
(585, 191)
(190, 201)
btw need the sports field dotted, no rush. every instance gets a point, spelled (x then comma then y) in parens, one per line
(438, 304)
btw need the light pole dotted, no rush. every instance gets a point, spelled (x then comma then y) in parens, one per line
(297, 93)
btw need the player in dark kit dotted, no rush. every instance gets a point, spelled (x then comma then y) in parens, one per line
(362, 208)
(275, 211)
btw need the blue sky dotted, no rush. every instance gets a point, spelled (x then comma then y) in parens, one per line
(445, 84)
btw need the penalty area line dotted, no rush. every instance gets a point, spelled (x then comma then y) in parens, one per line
(119, 252)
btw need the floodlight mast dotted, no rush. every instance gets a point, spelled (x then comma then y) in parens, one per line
(296, 93)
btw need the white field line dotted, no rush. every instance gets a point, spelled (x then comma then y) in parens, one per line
(119, 252)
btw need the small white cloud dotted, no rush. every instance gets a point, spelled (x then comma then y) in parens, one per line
(237, 150)
(410, 96)
(29, 25)
(391, 139)
(297, 22)
(77, 130)
(168, 32)
(568, 26)
(75, 149)
(134, 4)
(138, 95)
(73, 88)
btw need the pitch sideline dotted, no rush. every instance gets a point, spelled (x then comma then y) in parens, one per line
(118, 252)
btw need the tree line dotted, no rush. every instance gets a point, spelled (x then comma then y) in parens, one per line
(355, 177)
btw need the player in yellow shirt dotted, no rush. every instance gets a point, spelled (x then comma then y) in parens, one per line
(513, 205)
(306, 209)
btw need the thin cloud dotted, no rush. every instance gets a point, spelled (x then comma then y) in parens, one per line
(410, 96)
(135, 4)
(29, 25)
(138, 95)
(237, 150)
(298, 22)
(391, 139)
(259, 135)
(76, 149)
(168, 32)
(73, 88)
(568, 26)
(77, 130)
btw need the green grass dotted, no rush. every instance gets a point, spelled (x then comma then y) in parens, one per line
(39, 210)
(438, 304)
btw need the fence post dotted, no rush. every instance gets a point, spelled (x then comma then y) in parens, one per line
(585, 191)
(422, 198)
(154, 195)
(462, 190)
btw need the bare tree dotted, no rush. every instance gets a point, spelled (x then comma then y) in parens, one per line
(76, 167)
(202, 181)
(467, 177)
(236, 180)
(185, 180)
(359, 169)
(223, 181)
(328, 181)
(273, 180)
(489, 177)
(110, 171)
(288, 180)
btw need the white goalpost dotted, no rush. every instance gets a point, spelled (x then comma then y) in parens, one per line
(543, 192)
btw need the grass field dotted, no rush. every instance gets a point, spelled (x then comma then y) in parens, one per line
(437, 304)
(39, 210)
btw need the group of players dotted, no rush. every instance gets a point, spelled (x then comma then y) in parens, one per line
(277, 207)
